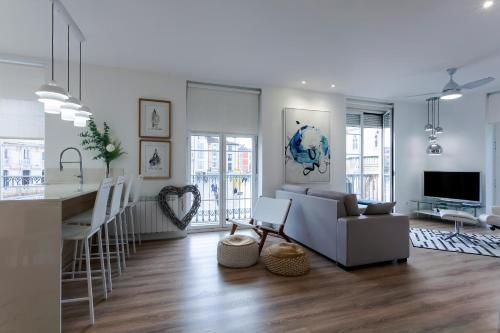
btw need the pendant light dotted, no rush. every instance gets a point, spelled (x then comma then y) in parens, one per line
(432, 136)
(428, 127)
(433, 149)
(50, 94)
(72, 104)
(83, 114)
(438, 129)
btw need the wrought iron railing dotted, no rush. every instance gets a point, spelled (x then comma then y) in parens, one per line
(14, 181)
(238, 196)
(371, 186)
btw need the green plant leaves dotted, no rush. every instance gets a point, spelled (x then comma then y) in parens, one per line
(95, 140)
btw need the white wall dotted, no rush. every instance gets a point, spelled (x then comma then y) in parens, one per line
(410, 144)
(463, 142)
(271, 146)
(113, 96)
(492, 185)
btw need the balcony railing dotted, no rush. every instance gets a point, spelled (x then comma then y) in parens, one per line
(238, 196)
(371, 186)
(15, 181)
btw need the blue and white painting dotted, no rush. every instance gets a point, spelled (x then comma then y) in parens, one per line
(307, 146)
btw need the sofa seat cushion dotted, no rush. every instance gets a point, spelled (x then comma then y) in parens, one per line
(294, 188)
(379, 208)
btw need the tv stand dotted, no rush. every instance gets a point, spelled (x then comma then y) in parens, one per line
(429, 207)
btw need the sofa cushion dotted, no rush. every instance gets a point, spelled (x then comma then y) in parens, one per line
(339, 196)
(294, 189)
(351, 205)
(379, 208)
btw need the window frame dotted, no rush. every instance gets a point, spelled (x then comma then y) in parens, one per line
(381, 144)
(222, 225)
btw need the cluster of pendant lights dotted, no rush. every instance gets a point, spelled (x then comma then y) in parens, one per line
(57, 100)
(433, 127)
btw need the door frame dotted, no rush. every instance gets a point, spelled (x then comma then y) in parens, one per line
(222, 225)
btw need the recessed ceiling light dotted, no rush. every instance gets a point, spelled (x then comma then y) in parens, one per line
(332, 85)
(488, 4)
(303, 82)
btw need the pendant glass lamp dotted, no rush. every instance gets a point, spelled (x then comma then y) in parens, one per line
(80, 119)
(83, 114)
(70, 108)
(438, 129)
(50, 94)
(428, 127)
(434, 149)
(72, 104)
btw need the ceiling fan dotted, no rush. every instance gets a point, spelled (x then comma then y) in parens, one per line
(453, 90)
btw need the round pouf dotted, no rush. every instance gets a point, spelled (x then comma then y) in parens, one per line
(286, 259)
(237, 251)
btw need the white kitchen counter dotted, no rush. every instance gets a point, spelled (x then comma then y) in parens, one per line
(30, 259)
(46, 192)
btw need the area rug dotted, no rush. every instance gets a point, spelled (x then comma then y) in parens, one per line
(434, 240)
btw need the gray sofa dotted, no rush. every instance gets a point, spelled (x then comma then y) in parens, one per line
(330, 223)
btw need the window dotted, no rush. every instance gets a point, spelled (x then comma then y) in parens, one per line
(21, 142)
(227, 192)
(225, 170)
(369, 151)
(26, 177)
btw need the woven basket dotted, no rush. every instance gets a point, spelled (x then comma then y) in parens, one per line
(237, 251)
(286, 259)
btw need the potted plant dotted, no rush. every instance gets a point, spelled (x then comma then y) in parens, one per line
(107, 149)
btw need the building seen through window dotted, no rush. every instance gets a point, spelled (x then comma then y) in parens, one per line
(22, 144)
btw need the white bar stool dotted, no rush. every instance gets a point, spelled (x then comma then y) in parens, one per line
(132, 207)
(114, 209)
(84, 233)
(122, 215)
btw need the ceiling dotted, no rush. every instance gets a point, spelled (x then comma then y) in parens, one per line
(372, 48)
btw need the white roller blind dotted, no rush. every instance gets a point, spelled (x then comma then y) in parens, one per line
(357, 105)
(21, 115)
(21, 119)
(20, 82)
(493, 112)
(213, 108)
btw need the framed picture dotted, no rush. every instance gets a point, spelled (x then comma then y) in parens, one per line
(154, 118)
(155, 157)
(307, 146)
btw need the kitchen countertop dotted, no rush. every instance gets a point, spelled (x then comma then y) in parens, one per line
(58, 192)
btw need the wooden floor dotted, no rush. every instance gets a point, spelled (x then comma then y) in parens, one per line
(177, 286)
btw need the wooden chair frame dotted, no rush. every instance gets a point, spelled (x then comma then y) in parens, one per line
(263, 231)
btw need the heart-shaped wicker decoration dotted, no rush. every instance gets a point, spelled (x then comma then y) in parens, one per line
(179, 191)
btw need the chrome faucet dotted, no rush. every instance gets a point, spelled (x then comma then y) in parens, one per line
(79, 162)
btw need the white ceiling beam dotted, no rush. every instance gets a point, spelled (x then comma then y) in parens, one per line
(11, 59)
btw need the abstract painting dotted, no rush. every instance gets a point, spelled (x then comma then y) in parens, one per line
(154, 118)
(307, 146)
(155, 159)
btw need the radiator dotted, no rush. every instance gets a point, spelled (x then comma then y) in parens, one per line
(152, 223)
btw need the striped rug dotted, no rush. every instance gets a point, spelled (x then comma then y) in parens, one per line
(434, 239)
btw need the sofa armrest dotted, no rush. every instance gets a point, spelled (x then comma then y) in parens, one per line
(375, 238)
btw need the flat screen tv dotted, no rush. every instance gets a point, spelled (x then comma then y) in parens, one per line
(459, 186)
